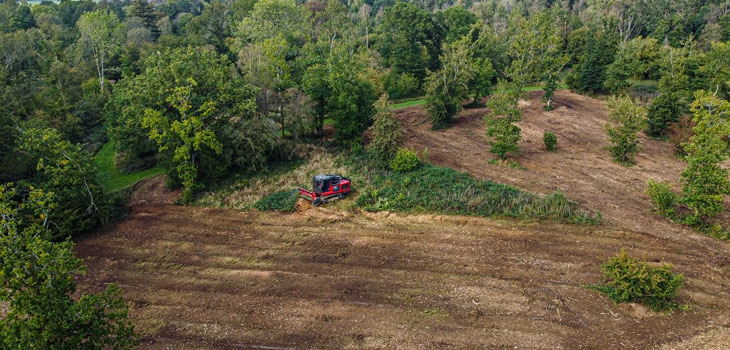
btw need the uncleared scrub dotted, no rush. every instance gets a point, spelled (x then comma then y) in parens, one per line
(446, 191)
(246, 192)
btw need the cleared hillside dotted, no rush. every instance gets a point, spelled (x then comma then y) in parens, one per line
(329, 278)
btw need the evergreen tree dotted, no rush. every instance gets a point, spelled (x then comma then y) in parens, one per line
(503, 134)
(705, 182)
(628, 118)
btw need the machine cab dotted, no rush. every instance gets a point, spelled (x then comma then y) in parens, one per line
(330, 184)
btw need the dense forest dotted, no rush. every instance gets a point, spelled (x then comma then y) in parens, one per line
(205, 89)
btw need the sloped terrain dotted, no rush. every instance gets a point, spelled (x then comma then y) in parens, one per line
(330, 278)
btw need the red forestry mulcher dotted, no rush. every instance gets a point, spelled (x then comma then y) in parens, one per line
(326, 188)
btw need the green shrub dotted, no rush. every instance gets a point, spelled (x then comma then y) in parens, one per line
(664, 200)
(550, 140)
(630, 280)
(405, 160)
(278, 201)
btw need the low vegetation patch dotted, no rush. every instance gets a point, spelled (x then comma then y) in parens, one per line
(447, 191)
(250, 191)
(631, 281)
(278, 201)
(111, 178)
(405, 160)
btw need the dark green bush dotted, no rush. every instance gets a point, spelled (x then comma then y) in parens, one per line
(278, 201)
(664, 200)
(629, 280)
(405, 160)
(550, 140)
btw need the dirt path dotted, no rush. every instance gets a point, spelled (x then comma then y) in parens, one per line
(328, 278)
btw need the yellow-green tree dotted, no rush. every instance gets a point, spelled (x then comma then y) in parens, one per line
(185, 135)
(37, 281)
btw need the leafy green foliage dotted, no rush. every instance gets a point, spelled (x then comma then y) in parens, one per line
(447, 191)
(535, 51)
(278, 201)
(37, 279)
(186, 135)
(663, 110)
(629, 118)
(222, 104)
(637, 59)
(350, 98)
(503, 133)
(705, 182)
(590, 72)
(447, 88)
(101, 32)
(69, 172)
(409, 40)
(387, 133)
(401, 86)
(405, 160)
(663, 198)
(632, 281)
(674, 90)
(550, 140)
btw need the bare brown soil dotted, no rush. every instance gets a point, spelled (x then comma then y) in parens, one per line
(328, 278)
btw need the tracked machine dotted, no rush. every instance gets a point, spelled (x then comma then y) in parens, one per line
(325, 188)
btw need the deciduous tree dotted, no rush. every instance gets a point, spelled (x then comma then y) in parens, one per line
(447, 88)
(37, 281)
(102, 33)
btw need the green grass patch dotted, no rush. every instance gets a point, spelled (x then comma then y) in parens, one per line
(406, 104)
(442, 190)
(111, 178)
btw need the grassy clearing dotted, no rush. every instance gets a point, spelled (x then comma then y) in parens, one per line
(430, 189)
(111, 178)
(245, 193)
(406, 104)
(446, 191)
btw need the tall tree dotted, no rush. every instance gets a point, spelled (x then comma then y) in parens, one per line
(705, 182)
(247, 138)
(37, 281)
(387, 133)
(351, 97)
(503, 134)
(447, 88)
(598, 50)
(101, 33)
(184, 134)
(409, 40)
(628, 119)
(536, 52)
(674, 91)
(71, 174)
